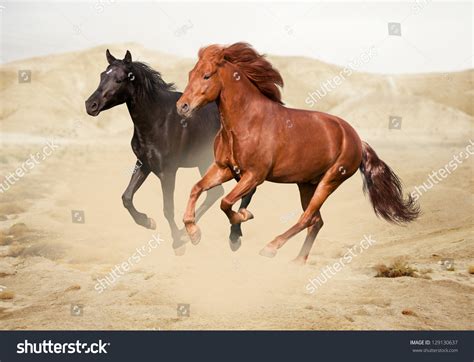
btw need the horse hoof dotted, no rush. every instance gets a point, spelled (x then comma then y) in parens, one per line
(268, 252)
(182, 233)
(299, 261)
(196, 237)
(179, 251)
(178, 242)
(235, 245)
(194, 234)
(246, 215)
(151, 224)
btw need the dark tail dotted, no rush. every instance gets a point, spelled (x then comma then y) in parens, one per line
(385, 189)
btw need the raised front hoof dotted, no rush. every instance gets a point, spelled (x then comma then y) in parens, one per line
(246, 215)
(235, 244)
(268, 252)
(242, 216)
(299, 261)
(194, 233)
(180, 250)
(151, 224)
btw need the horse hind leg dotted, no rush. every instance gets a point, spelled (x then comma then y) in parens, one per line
(306, 193)
(308, 219)
(309, 240)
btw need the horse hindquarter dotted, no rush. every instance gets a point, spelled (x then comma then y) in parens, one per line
(310, 143)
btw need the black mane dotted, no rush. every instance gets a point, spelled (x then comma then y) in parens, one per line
(149, 81)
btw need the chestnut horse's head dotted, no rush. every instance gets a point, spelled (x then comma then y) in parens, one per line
(205, 81)
(204, 84)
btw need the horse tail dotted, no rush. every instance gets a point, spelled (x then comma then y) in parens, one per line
(385, 189)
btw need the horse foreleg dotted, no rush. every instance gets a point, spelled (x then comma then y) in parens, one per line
(214, 176)
(168, 180)
(236, 229)
(138, 177)
(245, 185)
(211, 197)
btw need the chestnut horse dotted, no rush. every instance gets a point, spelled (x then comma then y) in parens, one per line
(263, 140)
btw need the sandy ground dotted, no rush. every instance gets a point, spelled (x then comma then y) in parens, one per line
(50, 264)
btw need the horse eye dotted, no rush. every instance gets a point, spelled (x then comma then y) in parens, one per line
(207, 76)
(118, 81)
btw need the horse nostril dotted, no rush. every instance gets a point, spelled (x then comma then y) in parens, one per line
(94, 106)
(185, 107)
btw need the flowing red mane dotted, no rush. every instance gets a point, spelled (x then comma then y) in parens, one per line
(254, 65)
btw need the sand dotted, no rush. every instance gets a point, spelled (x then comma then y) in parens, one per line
(49, 265)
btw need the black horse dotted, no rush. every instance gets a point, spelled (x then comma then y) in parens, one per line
(162, 140)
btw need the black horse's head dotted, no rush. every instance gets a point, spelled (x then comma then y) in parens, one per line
(115, 85)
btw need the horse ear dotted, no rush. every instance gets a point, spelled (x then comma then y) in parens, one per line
(221, 57)
(110, 57)
(128, 57)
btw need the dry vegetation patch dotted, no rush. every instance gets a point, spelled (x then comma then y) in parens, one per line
(400, 268)
(6, 294)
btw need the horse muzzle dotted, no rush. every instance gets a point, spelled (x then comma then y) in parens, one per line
(93, 107)
(184, 109)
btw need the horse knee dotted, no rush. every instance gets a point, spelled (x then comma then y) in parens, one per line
(318, 222)
(305, 222)
(127, 201)
(225, 204)
(195, 191)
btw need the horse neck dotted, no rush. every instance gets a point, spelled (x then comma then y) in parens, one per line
(149, 111)
(237, 94)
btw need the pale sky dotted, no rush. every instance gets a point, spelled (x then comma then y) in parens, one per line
(435, 36)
